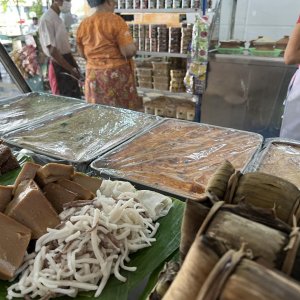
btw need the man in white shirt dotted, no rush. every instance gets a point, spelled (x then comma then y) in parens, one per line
(34, 26)
(54, 40)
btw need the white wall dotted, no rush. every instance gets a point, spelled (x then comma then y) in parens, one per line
(272, 18)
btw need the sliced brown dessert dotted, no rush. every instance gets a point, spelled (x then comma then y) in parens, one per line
(58, 195)
(83, 193)
(31, 208)
(53, 172)
(90, 183)
(5, 196)
(28, 172)
(14, 240)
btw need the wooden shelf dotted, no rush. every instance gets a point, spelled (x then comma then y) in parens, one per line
(167, 93)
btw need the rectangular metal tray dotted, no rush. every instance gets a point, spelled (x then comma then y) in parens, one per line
(105, 164)
(23, 110)
(286, 162)
(82, 135)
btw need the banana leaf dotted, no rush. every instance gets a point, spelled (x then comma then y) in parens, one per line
(146, 260)
(10, 177)
(154, 275)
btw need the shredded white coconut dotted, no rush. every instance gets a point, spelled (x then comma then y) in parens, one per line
(92, 242)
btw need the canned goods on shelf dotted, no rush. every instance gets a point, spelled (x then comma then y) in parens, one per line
(147, 44)
(153, 45)
(160, 4)
(136, 4)
(142, 44)
(186, 3)
(195, 4)
(144, 4)
(129, 4)
(141, 31)
(152, 4)
(176, 3)
(169, 4)
(153, 31)
(121, 4)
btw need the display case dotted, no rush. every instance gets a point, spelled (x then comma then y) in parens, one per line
(246, 92)
(13, 83)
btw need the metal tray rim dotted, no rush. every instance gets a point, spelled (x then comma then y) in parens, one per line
(79, 104)
(168, 192)
(108, 174)
(263, 153)
(40, 123)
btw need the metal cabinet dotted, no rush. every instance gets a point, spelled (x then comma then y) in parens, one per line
(246, 92)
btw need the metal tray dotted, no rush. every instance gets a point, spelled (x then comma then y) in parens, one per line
(286, 166)
(82, 135)
(23, 110)
(105, 164)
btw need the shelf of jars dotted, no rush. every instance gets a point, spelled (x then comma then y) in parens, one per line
(157, 6)
(160, 40)
(154, 11)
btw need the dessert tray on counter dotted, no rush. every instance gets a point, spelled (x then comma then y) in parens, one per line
(23, 110)
(178, 157)
(280, 155)
(83, 134)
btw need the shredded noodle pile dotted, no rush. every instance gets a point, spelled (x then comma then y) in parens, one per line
(92, 242)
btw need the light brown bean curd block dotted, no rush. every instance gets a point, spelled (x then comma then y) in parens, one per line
(31, 208)
(54, 169)
(28, 172)
(58, 195)
(53, 172)
(90, 183)
(5, 196)
(83, 193)
(14, 240)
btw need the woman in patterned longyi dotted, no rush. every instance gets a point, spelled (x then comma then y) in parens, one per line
(106, 43)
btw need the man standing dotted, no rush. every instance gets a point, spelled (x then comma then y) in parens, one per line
(33, 28)
(63, 69)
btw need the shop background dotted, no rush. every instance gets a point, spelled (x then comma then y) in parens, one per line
(272, 18)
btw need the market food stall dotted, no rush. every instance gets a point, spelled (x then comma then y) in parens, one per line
(97, 199)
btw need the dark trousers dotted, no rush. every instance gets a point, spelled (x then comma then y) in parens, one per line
(67, 85)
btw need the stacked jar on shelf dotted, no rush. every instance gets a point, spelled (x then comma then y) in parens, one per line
(153, 37)
(176, 83)
(158, 4)
(174, 39)
(144, 77)
(161, 75)
(186, 37)
(160, 38)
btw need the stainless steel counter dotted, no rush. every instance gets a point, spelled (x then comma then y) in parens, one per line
(246, 92)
